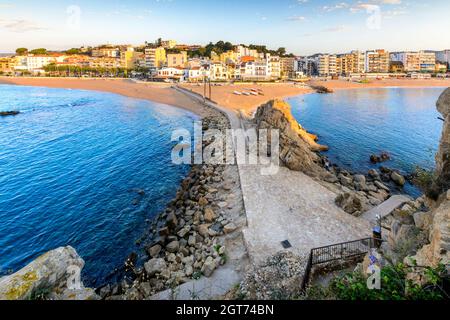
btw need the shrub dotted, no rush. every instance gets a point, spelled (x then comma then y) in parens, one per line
(394, 285)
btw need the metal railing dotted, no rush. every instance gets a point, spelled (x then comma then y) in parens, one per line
(338, 252)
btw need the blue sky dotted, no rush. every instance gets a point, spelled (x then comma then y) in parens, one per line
(302, 26)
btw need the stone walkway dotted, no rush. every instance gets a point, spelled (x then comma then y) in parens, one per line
(385, 208)
(290, 206)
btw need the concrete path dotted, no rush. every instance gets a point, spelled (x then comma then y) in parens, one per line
(289, 206)
(385, 208)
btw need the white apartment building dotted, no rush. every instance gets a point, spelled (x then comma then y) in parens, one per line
(242, 51)
(218, 72)
(443, 56)
(197, 74)
(171, 73)
(273, 66)
(37, 62)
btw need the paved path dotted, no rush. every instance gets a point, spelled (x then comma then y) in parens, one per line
(385, 208)
(290, 206)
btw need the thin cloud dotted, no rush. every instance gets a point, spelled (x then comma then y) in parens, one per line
(20, 25)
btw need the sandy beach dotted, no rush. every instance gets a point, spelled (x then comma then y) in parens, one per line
(157, 92)
(410, 83)
(224, 95)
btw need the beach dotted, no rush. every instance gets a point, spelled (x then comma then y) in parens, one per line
(406, 83)
(225, 96)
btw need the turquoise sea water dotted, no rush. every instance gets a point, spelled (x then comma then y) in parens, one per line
(73, 166)
(357, 123)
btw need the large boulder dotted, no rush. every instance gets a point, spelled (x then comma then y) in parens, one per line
(155, 266)
(297, 146)
(443, 156)
(55, 273)
(352, 203)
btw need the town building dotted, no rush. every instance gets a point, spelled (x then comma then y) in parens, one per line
(177, 74)
(396, 67)
(377, 61)
(287, 67)
(443, 56)
(273, 67)
(38, 62)
(416, 61)
(155, 58)
(218, 72)
(129, 58)
(243, 51)
(7, 64)
(106, 51)
(327, 65)
(229, 57)
(441, 67)
(104, 63)
(177, 59)
(168, 44)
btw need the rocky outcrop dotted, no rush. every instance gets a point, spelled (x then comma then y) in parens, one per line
(278, 278)
(297, 146)
(438, 251)
(443, 156)
(51, 276)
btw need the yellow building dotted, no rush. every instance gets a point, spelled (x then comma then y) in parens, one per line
(155, 57)
(104, 63)
(179, 60)
(229, 57)
(7, 64)
(377, 61)
(129, 59)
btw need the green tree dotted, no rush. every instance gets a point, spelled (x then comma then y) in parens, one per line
(73, 51)
(21, 51)
(39, 51)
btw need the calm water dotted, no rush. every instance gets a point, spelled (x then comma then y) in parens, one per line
(358, 123)
(71, 167)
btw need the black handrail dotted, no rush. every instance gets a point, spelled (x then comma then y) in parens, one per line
(336, 252)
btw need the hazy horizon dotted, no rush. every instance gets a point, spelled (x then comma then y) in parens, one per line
(303, 27)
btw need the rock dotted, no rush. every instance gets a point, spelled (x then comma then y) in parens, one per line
(331, 178)
(173, 247)
(172, 221)
(423, 220)
(154, 251)
(208, 267)
(229, 228)
(385, 170)
(374, 174)
(279, 277)
(155, 266)
(183, 232)
(203, 230)
(398, 179)
(9, 113)
(382, 186)
(359, 178)
(50, 273)
(296, 145)
(164, 232)
(351, 203)
(209, 215)
(192, 241)
(375, 159)
(346, 181)
(189, 271)
(203, 201)
(438, 251)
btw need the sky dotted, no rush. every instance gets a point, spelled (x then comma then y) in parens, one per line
(303, 27)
